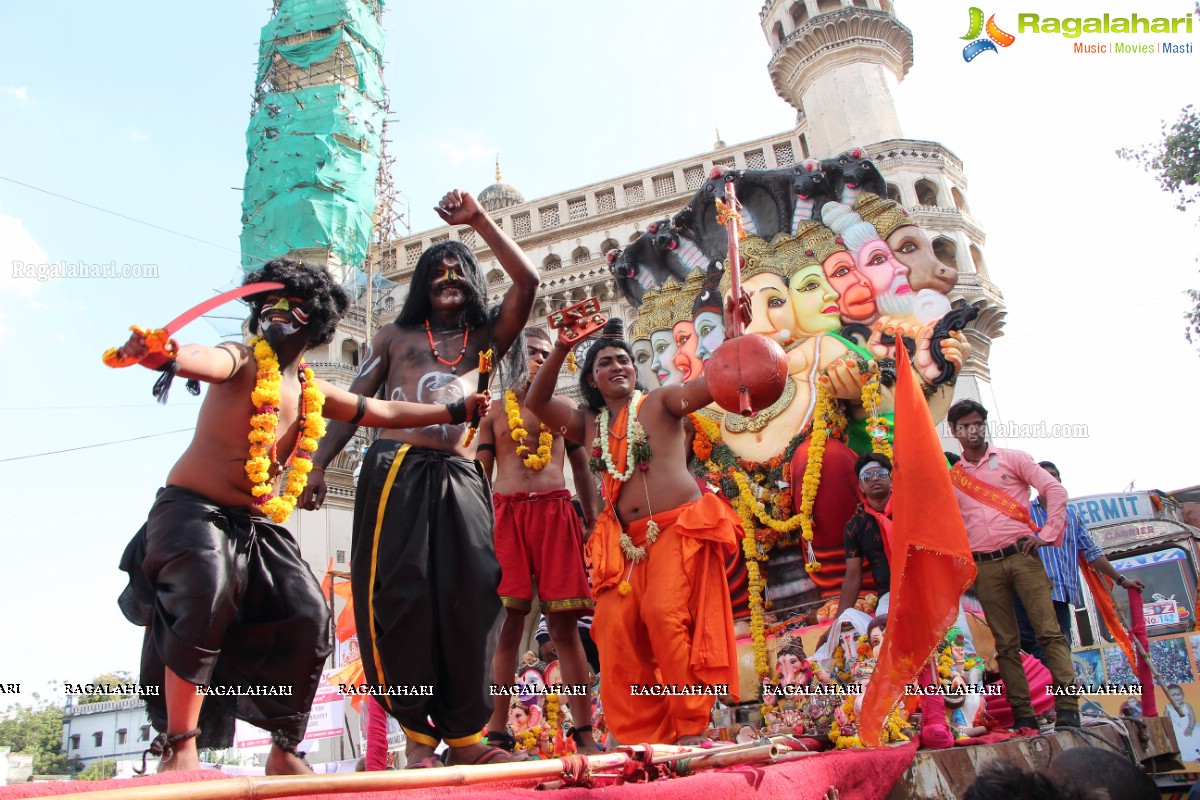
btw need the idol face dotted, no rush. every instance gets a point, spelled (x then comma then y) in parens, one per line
(643, 357)
(876, 262)
(686, 343)
(912, 248)
(710, 333)
(789, 667)
(663, 363)
(769, 305)
(814, 302)
(856, 300)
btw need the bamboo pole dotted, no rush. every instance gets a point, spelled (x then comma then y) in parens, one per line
(253, 787)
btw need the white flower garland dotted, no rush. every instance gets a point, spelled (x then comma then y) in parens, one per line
(635, 431)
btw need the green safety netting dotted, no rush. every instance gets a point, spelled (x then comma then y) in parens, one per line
(333, 109)
(313, 154)
(302, 16)
(307, 216)
(310, 161)
(305, 54)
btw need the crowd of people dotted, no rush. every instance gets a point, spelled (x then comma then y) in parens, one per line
(451, 541)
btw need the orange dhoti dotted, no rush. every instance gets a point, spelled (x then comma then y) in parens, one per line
(673, 629)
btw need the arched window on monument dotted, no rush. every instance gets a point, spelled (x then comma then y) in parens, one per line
(777, 33)
(608, 244)
(927, 193)
(893, 193)
(946, 252)
(960, 200)
(799, 14)
(350, 352)
(580, 255)
(551, 263)
(977, 259)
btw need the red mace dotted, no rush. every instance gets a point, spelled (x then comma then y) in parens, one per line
(749, 371)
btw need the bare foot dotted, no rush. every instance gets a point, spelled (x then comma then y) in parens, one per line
(585, 745)
(281, 762)
(692, 741)
(417, 755)
(183, 758)
(481, 753)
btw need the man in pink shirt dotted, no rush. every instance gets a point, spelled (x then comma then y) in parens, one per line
(993, 487)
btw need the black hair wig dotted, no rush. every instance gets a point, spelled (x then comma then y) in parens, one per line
(325, 300)
(417, 306)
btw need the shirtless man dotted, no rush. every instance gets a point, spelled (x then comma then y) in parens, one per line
(538, 538)
(659, 548)
(424, 570)
(225, 597)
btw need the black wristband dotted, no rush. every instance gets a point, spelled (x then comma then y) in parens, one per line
(362, 410)
(573, 446)
(488, 446)
(1121, 581)
(458, 412)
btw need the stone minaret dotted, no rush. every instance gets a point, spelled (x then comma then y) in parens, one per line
(836, 62)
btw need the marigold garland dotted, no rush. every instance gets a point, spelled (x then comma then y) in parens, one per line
(878, 429)
(812, 474)
(264, 427)
(516, 426)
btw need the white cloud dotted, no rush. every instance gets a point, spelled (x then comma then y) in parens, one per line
(138, 136)
(458, 152)
(18, 251)
(18, 92)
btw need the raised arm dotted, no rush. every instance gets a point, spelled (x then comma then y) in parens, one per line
(558, 414)
(194, 361)
(460, 208)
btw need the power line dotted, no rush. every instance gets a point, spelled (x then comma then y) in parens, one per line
(100, 444)
(124, 216)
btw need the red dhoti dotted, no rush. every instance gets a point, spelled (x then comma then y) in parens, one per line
(537, 536)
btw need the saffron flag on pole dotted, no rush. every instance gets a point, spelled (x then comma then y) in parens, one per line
(930, 558)
(331, 588)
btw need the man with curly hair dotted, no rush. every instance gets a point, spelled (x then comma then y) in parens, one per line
(424, 570)
(236, 626)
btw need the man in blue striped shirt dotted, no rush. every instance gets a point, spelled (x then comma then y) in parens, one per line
(1062, 566)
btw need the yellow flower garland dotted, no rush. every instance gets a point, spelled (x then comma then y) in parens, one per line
(264, 427)
(516, 426)
(877, 426)
(812, 474)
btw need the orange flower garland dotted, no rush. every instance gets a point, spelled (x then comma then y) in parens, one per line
(264, 427)
(516, 426)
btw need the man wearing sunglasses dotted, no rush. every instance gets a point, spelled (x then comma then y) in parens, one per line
(868, 531)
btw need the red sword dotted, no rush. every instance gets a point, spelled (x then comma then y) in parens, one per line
(160, 340)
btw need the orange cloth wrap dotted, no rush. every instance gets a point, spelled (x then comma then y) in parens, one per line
(674, 627)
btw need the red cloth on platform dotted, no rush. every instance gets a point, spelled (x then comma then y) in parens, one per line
(836, 501)
(857, 774)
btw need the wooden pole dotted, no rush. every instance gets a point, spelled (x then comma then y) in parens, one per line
(252, 787)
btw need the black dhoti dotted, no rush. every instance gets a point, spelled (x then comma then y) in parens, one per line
(425, 580)
(227, 602)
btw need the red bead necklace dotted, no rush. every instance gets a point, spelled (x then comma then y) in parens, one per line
(433, 347)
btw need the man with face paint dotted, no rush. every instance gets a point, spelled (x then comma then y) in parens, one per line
(224, 595)
(658, 552)
(424, 569)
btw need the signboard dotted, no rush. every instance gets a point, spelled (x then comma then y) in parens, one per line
(1109, 509)
(325, 721)
(1127, 535)
(1162, 612)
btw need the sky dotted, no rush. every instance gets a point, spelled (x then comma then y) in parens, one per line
(140, 109)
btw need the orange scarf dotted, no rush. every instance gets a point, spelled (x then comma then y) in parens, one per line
(992, 497)
(604, 547)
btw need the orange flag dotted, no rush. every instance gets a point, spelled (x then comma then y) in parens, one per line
(330, 589)
(1101, 588)
(930, 560)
